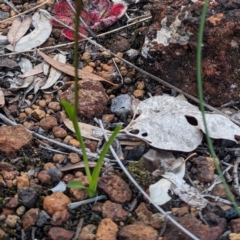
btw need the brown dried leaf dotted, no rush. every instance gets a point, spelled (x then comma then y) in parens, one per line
(2, 99)
(18, 29)
(87, 130)
(68, 69)
(32, 72)
(7, 62)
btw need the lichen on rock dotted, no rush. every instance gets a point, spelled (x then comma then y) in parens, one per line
(171, 43)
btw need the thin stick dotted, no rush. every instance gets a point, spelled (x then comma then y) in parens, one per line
(11, 6)
(79, 228)
(142, 191)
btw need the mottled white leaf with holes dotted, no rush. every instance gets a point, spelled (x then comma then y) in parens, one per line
(171, 123)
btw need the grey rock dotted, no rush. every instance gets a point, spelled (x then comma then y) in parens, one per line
(28, 196)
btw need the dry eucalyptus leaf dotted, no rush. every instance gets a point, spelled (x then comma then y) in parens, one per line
(18, 29)
(7, 62)
(68, 69)
(38, 36)
(54, 74)
(87, 130)
(169, 123)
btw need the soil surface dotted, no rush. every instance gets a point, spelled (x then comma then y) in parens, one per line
(40, 154)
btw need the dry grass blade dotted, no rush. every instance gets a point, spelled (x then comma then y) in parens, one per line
(18, 29)
(68, 69)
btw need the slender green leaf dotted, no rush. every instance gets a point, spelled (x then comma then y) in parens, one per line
(200, 96)
(76, 184)
(68, 108)
(96, 171)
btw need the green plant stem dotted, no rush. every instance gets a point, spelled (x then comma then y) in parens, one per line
(200, 96)
(75, 106)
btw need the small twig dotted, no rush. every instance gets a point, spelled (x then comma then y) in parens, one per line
(79, 228)
(74, 205)
(164, 226)
(202, 218)
(53, 150)
(217, 199)
(142, 191)
(33, 233)
(216, 181)
(11, 6)
(235, 177)
(23, 234)
(116, 66)
(190, 156)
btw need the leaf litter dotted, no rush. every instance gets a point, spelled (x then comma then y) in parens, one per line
(41, 32)
(18, 29)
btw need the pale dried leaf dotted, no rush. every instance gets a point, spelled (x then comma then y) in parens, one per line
(2, 99)
(16, 23)
(159, 191)
(38, 36)
(54, 74)
(32, 72)
(18, 29)
(46, 68)
(187, 193)
(77, 166)
(164, 123)
(68, 69)
(86, 129)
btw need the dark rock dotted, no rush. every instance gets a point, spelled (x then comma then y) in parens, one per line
(121, 106)
(28, 196)
(43, 218)
(120, 44)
